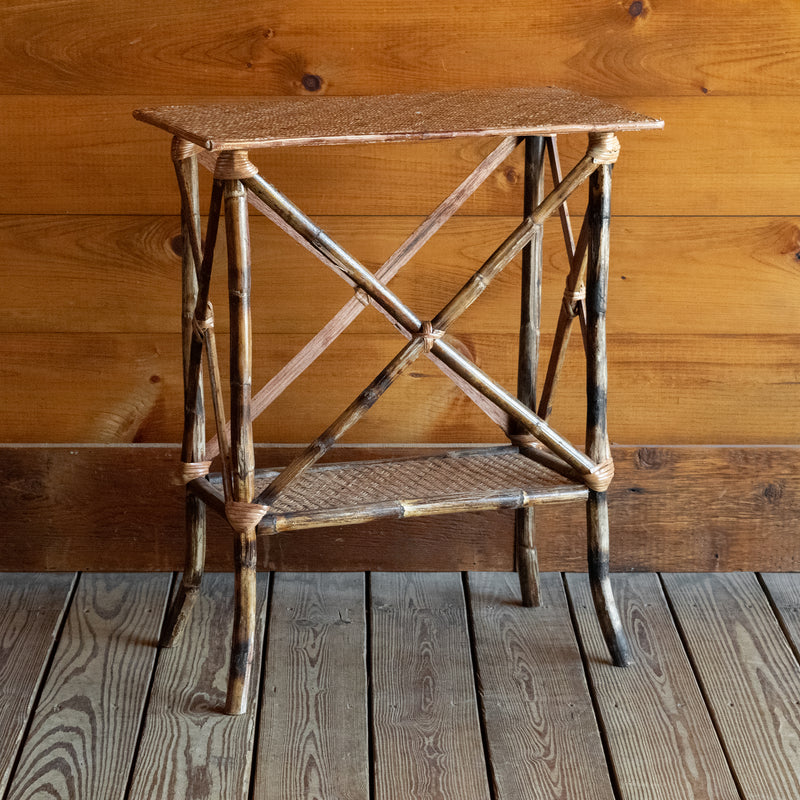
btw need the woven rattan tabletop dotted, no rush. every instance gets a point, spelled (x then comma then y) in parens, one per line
(296, 121)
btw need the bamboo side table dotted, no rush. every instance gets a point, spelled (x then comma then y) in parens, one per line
(538, 466)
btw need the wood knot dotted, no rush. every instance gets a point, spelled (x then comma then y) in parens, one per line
(234, 165)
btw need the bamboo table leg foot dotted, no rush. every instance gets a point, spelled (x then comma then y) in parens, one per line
(244, 623)
(189, 588)
(602, 595)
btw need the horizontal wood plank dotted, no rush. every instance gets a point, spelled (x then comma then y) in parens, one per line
(313, 740)
(672, 508)
(542, 736)
(426, 733)
(748, 674)
(660, 737)
(116, 274)
(784, 594)
(117, 388)
(673, 49)
(31, 610)
(93, 157)
(86, 725)
(189, 747)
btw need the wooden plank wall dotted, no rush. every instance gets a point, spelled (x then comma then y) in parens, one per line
(704, 343)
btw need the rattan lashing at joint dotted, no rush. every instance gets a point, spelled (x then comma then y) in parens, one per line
(234, 165)
(603, 147)
(429, 335)
(183, 149)
(200, 326)
(244, 516)
(572, 298)
(599, 478)
(191, 470)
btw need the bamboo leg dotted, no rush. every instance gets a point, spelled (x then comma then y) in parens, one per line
(242, 456)
(527, 560)
(194, 413)
(596, 392)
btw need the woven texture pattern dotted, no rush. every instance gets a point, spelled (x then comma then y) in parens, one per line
(331, 120)
(436, 477)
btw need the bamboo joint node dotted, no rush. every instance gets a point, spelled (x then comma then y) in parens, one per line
(181, 149)
(243, 516)
(572, 298)
(190, 470)
(603, 147)
(429, 335)
(524, 440)
(599, 479)
(362, 296)
(234, 165)
(200, 326)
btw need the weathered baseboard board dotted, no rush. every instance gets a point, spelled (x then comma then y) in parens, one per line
(673, 508)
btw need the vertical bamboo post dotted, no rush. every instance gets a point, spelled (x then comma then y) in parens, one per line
(525, 535)
(193, 449)
(597, 443)
(233, 167)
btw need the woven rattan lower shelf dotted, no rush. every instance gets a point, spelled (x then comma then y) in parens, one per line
(362, 491)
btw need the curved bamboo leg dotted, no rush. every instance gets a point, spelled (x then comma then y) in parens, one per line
(602, 595)
(194, 410)
(526, 559)
(596, 392)
(242, 455)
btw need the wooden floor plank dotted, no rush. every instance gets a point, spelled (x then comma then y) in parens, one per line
(190, 748)
(31, 609)
(313, 740)
(427, 737)
(84, 731)
(784, 592)
(749, 675)
(541, 731)
(660, 737)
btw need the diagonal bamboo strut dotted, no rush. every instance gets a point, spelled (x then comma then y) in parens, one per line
(570, 308)
(348, 313)
(203, 283)
(563, 211)
(572, 305)
(460, 302)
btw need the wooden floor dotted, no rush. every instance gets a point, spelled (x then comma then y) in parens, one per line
(406, 686)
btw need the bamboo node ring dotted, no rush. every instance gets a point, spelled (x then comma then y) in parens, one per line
(362, 296)
(524, 440)
(189, 470)
(572, 298)
(429, 335)
(603, 148)
(600, 477)
(200, 326)
(234, 165)
(242, 516)
(182, 149)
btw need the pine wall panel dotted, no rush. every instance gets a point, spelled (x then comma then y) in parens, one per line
(703, 333)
